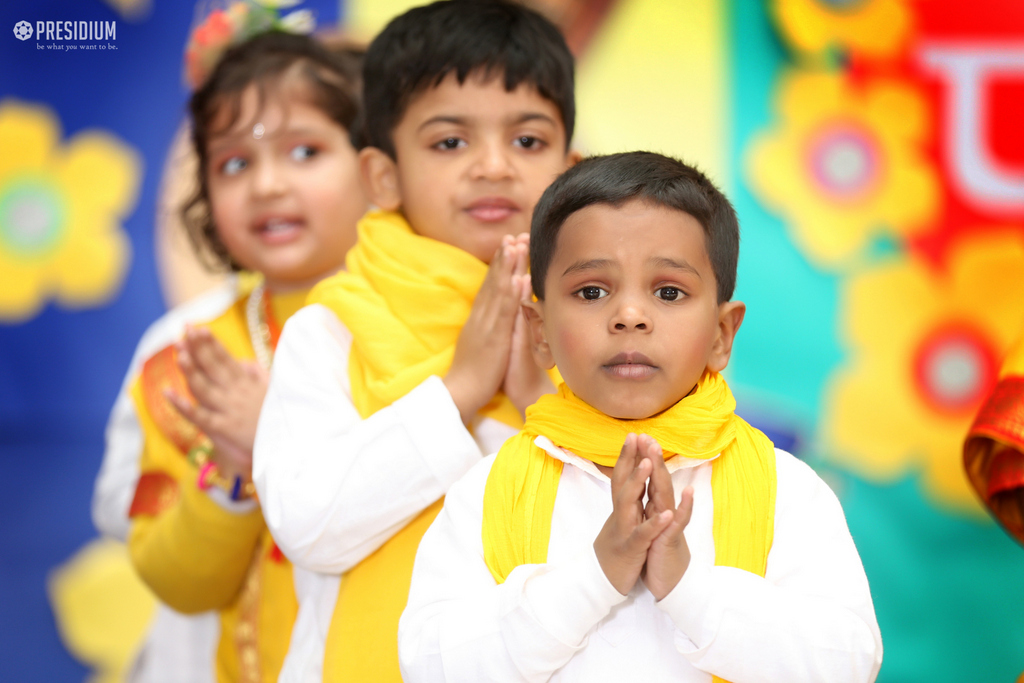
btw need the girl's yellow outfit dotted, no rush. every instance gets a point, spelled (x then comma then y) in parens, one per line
(405, 299)
(194, 554)
(519, 497)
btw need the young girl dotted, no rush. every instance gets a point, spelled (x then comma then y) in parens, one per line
(278, 196)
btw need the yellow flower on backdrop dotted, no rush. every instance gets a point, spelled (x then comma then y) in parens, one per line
(61, 208)
(102, 608)
(924, 351)
(875, 28)
(844, 165)
(132, 10)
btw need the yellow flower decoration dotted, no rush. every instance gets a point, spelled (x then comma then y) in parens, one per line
(925, 349)
(844, 165)
(875, 28)
(102, 609)
(60, 212)
(132, 10)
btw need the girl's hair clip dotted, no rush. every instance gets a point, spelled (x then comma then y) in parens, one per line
(224, 23)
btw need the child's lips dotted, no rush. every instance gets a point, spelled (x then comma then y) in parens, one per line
(631, 370)
(492, 209)
(630, 365)
(278, 230)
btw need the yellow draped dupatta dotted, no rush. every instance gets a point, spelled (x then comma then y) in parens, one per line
(404, 298)
(519, 497)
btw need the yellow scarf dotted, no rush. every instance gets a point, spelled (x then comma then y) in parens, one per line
(404, 298)
(519, 496)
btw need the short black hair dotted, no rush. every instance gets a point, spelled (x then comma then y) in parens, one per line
(416, 50)
(646, 176)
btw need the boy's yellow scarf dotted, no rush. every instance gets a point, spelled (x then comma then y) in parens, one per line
(404, 298)
(519, 496)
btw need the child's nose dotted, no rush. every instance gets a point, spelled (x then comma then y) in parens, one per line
(268, 179)
(492, 162)
(630, 315)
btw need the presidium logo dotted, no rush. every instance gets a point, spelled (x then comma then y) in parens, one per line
(67, 30)
(69, 35)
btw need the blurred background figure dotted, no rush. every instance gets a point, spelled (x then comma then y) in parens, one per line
(872, 149)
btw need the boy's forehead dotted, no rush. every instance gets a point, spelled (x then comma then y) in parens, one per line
(482, 95)
(637, 226)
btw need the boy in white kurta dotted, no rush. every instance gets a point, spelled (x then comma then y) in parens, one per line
(408, 367)
(692, 552)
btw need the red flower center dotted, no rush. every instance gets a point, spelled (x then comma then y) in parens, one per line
(955, 367)
(844, 161)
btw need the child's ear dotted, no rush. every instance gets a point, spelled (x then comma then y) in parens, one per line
(534, 313)
(730, 317)
(380, 178)
(573, 157)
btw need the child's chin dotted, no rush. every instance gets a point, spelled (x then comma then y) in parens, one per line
(289, 272)
(637, 404)
(636, 409)
(487, 241)
(485, 252)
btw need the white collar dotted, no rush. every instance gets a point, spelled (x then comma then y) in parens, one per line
(676, 462)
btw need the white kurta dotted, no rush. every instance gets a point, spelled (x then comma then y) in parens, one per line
(333, 486)
(809, 619)
(178, 647)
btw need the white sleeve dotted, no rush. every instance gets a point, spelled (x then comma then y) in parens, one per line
(459, 625)
(809, 619)
(335, 487)
(119, 472)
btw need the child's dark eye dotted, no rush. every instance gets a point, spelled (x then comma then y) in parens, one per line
(591, 293)
(303, 152)
(668, 293)
(529, 142)
(450, 143)
(234, 166)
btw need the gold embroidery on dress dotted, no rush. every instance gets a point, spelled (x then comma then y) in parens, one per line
(160, 373)
(247, 626)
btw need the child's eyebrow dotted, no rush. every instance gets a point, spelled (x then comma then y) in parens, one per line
(220, 143)
(592, 264)
(532, 116)
(456, 120)
(227, 138)
(663, 262)
(466, 120)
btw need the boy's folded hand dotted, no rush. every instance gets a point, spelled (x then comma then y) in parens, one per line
(668, 555)
(623, 543)
(482, 350)
(228, 397)
(525, 381)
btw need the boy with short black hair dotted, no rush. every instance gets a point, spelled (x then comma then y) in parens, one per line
(564, 557)
(420, 48)
(415, 362)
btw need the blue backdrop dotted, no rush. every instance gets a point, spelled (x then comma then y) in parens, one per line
(60, 372)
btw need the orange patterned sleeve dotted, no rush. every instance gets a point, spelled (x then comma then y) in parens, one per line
(994, 449)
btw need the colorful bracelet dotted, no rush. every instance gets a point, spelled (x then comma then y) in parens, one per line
(206, 473)
(199, 455)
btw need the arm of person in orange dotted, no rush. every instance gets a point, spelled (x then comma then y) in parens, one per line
(994, 449)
